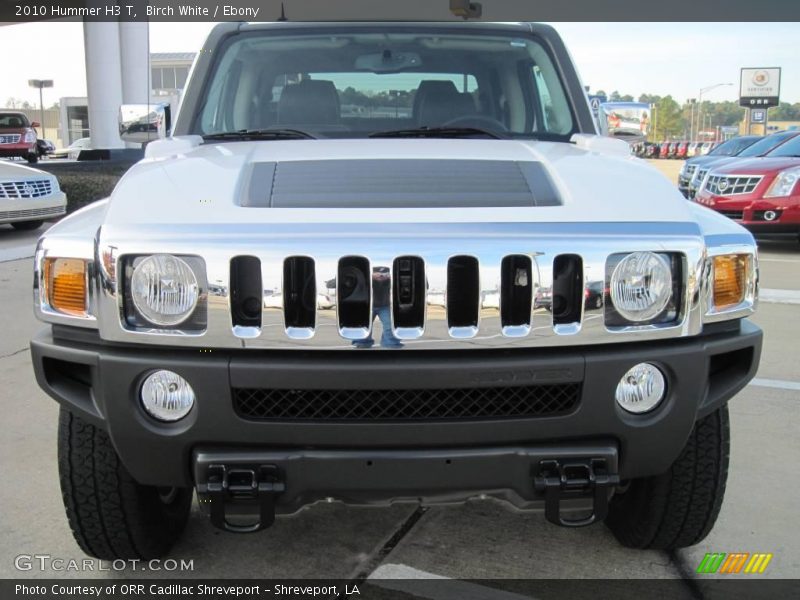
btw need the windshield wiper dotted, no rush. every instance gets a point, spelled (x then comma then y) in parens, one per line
(259, 134)
(441, 132)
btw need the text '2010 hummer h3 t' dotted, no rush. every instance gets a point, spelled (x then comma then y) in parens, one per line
(383, 263)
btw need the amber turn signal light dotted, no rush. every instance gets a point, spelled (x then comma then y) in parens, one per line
(730, 280)
(65, 284)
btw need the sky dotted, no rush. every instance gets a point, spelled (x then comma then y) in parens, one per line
(633, 58)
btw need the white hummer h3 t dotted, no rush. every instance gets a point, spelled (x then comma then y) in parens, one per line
(390, 262)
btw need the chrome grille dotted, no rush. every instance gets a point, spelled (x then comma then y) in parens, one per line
(406, 404)
(732, 185)
(298, 304)
(51, 211)
(699, 175)
(687, 174)
(10, 138)
(34, 188)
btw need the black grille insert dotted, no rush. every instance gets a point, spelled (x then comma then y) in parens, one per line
(408, 404)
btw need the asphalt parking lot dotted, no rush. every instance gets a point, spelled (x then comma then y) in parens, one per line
(477, 540)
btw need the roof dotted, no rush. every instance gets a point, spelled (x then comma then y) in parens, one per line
(165, 56)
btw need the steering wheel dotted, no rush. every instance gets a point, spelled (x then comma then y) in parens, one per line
(479, 121)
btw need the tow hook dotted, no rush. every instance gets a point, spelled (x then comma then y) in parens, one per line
(252, 489)
(576, 478)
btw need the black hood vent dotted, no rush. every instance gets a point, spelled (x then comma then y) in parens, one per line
(398, 183)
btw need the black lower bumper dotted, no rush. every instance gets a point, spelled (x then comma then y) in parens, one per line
(101, 383)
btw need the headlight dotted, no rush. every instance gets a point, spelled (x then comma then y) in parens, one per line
(641, 286)
(164, 289)
(30, 136)
(783, 184)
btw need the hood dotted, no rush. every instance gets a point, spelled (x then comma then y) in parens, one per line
(375, 180)
(759, 166)
(10, 170)
(706, 159)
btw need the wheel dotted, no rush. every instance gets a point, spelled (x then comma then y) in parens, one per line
(678, 508)
(598, 302)
(32, 158)
(111, 515)
(27, 225)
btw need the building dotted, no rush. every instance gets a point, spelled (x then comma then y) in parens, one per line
(169, 71)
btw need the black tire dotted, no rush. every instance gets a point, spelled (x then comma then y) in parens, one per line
(111, 515)
(32, 158)
(679, 508)
(27, 225)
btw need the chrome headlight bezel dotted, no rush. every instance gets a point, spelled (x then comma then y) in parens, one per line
(668, 308)
(748, 305)
(194, 321)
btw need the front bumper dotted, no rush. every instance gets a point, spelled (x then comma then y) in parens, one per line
(31, 209)
(749, 211)
(21, 149)
(101, 381)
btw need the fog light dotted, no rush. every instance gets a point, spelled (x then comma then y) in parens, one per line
(641, 388)
(167, 396)
(770, 215)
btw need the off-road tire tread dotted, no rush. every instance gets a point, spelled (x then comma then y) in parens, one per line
(111, 515)
(678, 508)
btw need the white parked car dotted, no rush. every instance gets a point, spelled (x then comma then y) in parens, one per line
(73, 150)
(28, 196)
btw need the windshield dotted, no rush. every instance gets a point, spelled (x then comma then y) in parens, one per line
(733, 146)
(764, 145)
(790, 148)
(353, 84)
(13, 121)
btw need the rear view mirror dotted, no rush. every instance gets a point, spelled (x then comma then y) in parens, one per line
(388, 61)
(34, 123)
(142, 123)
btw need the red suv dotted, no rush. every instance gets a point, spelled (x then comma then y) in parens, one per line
(18, 136)
(763, 194)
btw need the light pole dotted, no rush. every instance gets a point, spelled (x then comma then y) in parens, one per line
(41, 83)
(700, 101)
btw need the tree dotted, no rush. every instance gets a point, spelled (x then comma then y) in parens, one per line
(668, 118)
(785, 112)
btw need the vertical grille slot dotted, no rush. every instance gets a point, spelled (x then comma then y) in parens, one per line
(567, 290)
(408, 296)
(246, 292)
(299, 296)
(463, 296)
(354, 297)
(516, 294)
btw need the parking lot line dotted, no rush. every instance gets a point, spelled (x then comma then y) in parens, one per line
(429, 585)
(776, 383)
(779, 296)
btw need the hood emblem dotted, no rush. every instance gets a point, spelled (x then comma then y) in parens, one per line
(28, 189)
(723, 185)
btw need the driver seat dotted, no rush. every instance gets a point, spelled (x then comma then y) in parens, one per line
(437, 102)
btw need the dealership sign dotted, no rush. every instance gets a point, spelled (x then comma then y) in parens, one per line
(760, 87)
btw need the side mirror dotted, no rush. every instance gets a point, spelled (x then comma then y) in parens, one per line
(143, 123)
(35, 124)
